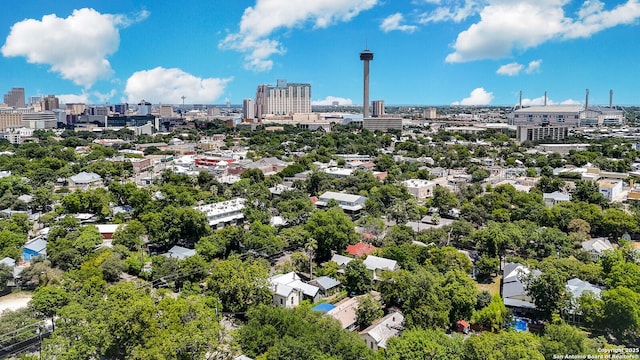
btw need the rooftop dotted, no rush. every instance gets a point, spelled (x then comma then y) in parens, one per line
(383, 330)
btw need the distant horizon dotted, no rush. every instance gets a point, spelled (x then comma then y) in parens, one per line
(445, 52)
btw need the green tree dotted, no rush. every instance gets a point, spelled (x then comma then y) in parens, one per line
(487, 267)
(357, 278)
(444, 200)
(173, 225)
(503, 346)
(332, 229)
(420, 296)
(239, 284)
(425, 344)
(563, 339)
(621, 314)
(48, 300)
(588, 191)
(369, 310)
(493, 316)
(548, 291)
(447, 258)
(130, 235)
(292, 334)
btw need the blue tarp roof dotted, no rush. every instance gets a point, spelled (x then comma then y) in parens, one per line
(323, 307)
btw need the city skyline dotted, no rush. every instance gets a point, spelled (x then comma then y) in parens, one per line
(428, 52)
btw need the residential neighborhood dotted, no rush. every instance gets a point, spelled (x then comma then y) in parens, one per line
(379, 238)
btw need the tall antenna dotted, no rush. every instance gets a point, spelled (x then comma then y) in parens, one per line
(183, 97)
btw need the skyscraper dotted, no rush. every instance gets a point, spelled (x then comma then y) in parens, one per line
(378, 108)
(15, 98)
(283, 99)
(366, 56)
(248, 109)
(50, 103)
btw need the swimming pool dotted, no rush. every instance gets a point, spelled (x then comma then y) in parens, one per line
(520, 324)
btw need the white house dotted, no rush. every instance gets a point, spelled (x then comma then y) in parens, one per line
(513, 288)
(610, 189)
(347, 202)
(377, 335)
(597, 246)
(554, 198)
(289, 290)
(419, 188)
(378, 264)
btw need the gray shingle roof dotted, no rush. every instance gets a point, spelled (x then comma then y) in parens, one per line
(341, 260)
(326, 282)
(375, 262)
(180, 252)
(388, 327)
(85, 178)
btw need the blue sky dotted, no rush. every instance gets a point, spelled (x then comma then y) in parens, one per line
(427, 52)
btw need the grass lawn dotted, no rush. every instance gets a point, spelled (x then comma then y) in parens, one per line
(493, 288)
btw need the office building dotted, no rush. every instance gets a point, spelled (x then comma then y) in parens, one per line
(75, 108)
(248, 109)
(144, 108)
(40, 120)
(382, 124)
(429, 113)
(50, 102)
(15, 98)
(166, 111)
(283, 99)
(10, 119)
(121, 109)
(539, 133)
(377, 108)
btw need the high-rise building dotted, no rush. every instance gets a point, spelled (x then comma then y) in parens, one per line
(15, 98)
(283, 99)
(366, 56)
(50, 102)
(429, 113)
(166, 111)
(76, 108)
(248, 109)
(34, 100)
(9, 119)
(121, 108)
(144, 107)
(378, 108)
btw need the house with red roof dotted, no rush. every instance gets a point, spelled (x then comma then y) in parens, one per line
(360, 249)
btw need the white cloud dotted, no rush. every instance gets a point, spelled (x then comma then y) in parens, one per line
(330, 99)
(162, 85)
(75, 47)
(534, 66)
(539, 101)
(261, 21)
(479, 96)
(392, 22)
(570, 102)
(73, 98)
(103, 98)
(592, 18)
(510, 69)
(455, 12)
(505, 26)
(514, 68)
